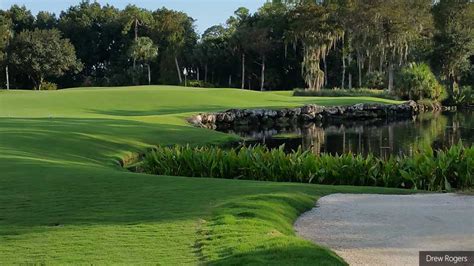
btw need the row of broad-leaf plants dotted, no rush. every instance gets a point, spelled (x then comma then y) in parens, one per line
(426, 169)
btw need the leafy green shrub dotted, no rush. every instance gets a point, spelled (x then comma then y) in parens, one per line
(345, 93)
(462, 97)
(375, 80)
(426, 169)
(48, 86)
(468, 92)
(442, 170)
(457, 99)
(417, 82)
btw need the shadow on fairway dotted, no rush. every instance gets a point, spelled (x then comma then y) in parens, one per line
(65, 171)
(93, 142)
(162, 110)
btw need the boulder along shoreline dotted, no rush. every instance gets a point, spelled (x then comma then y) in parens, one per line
(306, 114)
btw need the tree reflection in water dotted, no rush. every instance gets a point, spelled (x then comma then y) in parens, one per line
(381, 138)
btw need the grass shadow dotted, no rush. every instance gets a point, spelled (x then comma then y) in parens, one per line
(164, 110)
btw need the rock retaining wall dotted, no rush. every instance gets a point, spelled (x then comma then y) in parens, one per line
(307, 113)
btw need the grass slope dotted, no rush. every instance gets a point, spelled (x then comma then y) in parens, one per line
(64, 199)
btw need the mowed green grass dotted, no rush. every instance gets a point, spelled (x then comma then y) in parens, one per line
(65, 199)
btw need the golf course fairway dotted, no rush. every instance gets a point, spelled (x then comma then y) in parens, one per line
(64, 199)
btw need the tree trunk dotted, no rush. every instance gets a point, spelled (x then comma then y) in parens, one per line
(149, 74)
(136, 29)
(230, 80)
(262, 84)
(243, 71)
(452, 83)
(40, 83)
(7, 77)
(136, 38)
(391, 135)
(178, 69)
(198, 74)
(344, 141)
(370, 64)
(359, 66)
(390, 77)
(349, 60)
(381, 63)
(325, 72)
(343, 83)
(205, 73)
(350, 81)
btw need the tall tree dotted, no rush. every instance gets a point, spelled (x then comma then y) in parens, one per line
(175, 31)
(43, 53)
(259, 41)
(135, 17)
(46, 21)
(280, 66)
(401, 23)
(238, 30)
(144, 50)
(214, 46)
(454, 38)
(96, 33)
(21, 18)
(314, 25)
(363, 34)
(5, 36)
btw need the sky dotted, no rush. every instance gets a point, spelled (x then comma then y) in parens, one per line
(206, 12)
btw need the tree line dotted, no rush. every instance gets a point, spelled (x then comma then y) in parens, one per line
(286, 44)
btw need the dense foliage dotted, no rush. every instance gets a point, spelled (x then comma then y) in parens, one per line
(143, 50)
(284, 45)
(417, 82)
(467, 94)
(41, 54)
(426, 169)
(454, 39)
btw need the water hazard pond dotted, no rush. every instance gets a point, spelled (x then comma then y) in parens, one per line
(379, 137)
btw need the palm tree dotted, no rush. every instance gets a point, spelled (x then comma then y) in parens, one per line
(144, 50)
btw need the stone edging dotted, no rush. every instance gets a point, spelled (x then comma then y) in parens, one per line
(307, 113)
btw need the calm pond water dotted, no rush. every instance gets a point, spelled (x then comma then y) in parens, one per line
(379, 137)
